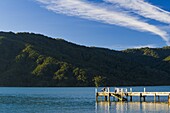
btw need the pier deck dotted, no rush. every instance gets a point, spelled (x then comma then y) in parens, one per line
(123, 95)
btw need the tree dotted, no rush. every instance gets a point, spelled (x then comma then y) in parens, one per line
(98, 81)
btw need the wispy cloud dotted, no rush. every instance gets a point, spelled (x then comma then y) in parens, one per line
(102, 13)
(144, 9)
(124, 47)
(143, 46)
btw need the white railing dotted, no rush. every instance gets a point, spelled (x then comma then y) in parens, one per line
(120, 90)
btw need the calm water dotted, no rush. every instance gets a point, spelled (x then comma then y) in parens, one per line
(74, 100)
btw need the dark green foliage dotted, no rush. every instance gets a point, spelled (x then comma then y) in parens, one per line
(98, 81)
(28, 59)
(167, 59)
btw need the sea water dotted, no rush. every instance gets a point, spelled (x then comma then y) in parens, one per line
(75, 100)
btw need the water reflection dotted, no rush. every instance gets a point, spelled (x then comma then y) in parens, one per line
(132, 107)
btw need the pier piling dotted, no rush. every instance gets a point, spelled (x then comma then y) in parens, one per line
(109, 97)
(140, 97)
(158, 98)
(169, 99)
(96, 97)
(144, 98)
(105, 98)
(131, 98)
(155, 97)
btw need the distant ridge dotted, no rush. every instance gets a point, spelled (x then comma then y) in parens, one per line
(28, 59)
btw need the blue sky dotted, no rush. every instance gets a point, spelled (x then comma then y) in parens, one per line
(114, 24)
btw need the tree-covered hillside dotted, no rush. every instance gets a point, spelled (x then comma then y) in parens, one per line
(28, 59)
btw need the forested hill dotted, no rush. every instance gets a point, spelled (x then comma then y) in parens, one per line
(28, 59)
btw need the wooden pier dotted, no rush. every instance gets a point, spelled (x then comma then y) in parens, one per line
(121, 94)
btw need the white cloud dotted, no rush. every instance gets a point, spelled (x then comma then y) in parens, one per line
(102, 13)
(124, 47)
(143, 46)
(144, 9)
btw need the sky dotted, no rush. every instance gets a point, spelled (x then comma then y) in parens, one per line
(114, 24)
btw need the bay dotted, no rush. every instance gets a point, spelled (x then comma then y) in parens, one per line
(75, 100)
